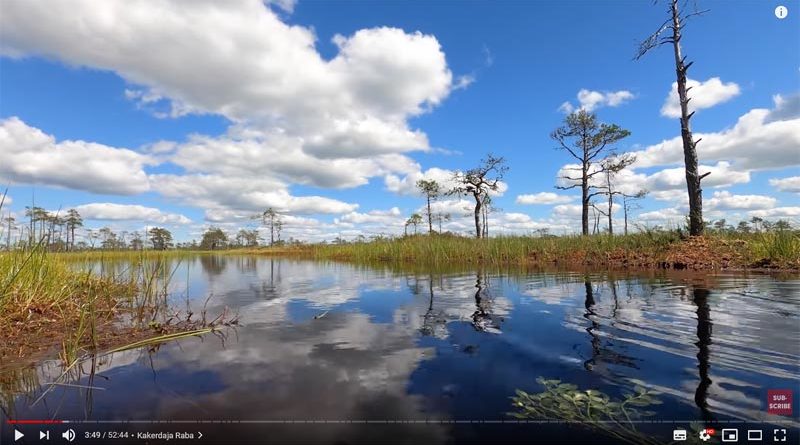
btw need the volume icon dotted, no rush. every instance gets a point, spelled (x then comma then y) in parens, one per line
(69, 435)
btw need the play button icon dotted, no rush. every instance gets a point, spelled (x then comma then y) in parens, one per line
(17, 435)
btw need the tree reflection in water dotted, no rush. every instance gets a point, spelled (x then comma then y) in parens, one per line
(213, 264)
(483, 319)
(704, 328)
(433, 323)
(601, 353)
(246, 264)
(594, 326)
(270, 288)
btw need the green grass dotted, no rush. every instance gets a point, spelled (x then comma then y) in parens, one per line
(34, 281)
(781, 247)
(649, 249)
(72, 299)
(446, 249)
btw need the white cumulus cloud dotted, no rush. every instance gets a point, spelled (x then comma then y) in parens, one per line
(106, 211)
(703, 95)
(544, 198)
(407, 185)
(29, 156)
(790, 184)
(725, 200)
(792, 213)
(238, 59)
(569, 211)
(224, 196)
(753, 143)
(590, 100)
(391, 217)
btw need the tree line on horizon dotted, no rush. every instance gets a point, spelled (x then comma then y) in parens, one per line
(59, 233)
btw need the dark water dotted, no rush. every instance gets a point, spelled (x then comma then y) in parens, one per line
(357, 346)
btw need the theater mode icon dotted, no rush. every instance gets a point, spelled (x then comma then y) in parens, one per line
(755, 435)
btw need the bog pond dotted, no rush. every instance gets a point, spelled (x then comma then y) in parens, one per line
(327, 351)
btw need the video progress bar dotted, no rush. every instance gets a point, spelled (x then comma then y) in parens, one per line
(397, 422)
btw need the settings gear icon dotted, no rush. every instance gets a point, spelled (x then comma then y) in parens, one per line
(706, 434)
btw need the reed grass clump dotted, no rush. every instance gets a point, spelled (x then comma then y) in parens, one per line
(778, 247)
(50, 299)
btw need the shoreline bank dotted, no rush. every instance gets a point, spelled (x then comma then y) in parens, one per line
(666, 251)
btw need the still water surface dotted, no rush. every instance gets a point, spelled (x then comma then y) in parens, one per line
(336, 342)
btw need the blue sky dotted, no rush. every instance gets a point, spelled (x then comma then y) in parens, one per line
(217, 114)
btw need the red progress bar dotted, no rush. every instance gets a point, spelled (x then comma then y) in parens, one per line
(35, 422)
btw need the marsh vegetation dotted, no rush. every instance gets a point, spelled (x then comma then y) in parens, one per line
(651, 249)
(65, 305)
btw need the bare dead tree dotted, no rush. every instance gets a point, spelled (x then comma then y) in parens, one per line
(612, 165)
(478, 183)
(596, 213)
(629, 203)
(442, 217)
(670, 33)
(487, 208)
(10, 220)
(585, 139)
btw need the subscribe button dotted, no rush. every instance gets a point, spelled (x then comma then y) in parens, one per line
(779, 401)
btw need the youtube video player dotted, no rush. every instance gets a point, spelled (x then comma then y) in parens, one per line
(399, 222)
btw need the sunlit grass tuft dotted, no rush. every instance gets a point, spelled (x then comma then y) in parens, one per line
(65, 299)
(779, 247)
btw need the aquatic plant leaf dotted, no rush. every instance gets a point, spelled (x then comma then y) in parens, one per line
(592, 408)
(639, 402)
